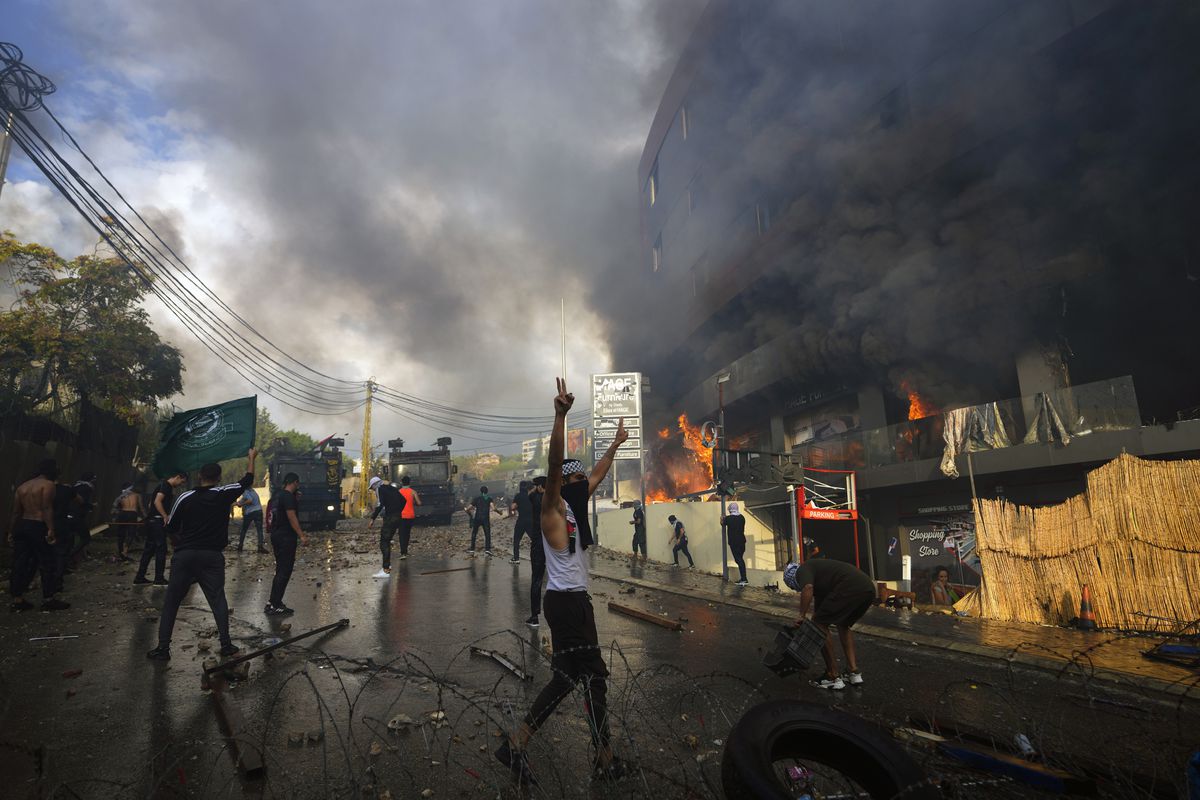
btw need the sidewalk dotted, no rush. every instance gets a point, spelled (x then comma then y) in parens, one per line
(1112, 658)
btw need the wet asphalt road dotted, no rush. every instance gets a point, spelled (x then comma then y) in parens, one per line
(127, 727)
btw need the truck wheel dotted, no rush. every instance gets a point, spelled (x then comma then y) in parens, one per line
(789, 729)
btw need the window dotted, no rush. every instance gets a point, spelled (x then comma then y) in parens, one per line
(652, 184)
(683, 121)
(763, 214)
(656, 254)
(422, 473)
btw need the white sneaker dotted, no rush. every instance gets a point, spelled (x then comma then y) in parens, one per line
(381, 574)
(743, 583)
(853, 678)
(404, 556)
(829, 683)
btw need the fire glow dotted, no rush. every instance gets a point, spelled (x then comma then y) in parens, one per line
(681, 463)
(918, 407)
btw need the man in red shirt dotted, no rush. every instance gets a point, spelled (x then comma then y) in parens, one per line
(409, 515)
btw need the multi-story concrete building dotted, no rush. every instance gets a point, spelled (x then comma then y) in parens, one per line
(865, 212)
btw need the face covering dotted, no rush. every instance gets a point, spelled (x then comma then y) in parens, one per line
(576, 495)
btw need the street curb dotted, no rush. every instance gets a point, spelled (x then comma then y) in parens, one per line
(1123, 680)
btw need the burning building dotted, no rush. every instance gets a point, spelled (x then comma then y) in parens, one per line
(917, 235)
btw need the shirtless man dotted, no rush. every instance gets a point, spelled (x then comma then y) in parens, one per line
(577, 657)
(131, 510)
(31, 535)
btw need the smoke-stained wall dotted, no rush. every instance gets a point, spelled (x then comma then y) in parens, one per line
(886, 192)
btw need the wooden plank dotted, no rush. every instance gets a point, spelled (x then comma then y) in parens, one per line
(645, 616)
(249, 759)
(440, 571)
(1039, 776)
(224, 665)
(503, 661)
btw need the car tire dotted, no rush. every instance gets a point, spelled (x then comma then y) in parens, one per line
(793, 729)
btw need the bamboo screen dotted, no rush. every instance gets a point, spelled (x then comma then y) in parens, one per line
(1133, 537)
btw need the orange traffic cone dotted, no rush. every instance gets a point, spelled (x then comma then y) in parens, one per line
(1087, 620)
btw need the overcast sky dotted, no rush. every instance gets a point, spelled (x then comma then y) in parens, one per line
(398, 189)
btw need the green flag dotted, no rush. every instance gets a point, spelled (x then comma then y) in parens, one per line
(194, 438)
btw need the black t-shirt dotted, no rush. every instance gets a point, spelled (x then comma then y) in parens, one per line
(829, 577)
(735, 525)
(63, 495)
(391, 502)
(284, 502)
(678, 530)
(79, 511)
(199, 519)
(483, 506)
(639, 520)
(168, 493)
(535, 525)
(524, 506)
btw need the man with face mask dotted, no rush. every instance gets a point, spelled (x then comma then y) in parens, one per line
(735, 531)
(567, 534)
(537, 549)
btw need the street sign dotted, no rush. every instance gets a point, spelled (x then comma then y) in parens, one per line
(617, 396)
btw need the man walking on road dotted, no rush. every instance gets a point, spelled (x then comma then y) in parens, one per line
(286, 536)
(537, 549)
(577, 659)
(392, 504)
(32, 536)
(679, 542)
(199, 523)
(481, 508)
(408, 514)
(839, 594)
(156, 534)
(639, 529)
(252, 514)
(735, 532)
(522, 506)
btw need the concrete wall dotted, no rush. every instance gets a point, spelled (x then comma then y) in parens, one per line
(703, 524)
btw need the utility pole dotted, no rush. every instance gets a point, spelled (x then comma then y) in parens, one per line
(364, 478)
(5, 148)
(721, 381)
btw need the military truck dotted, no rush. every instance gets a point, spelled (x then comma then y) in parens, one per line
(431, 475)
(321, 472)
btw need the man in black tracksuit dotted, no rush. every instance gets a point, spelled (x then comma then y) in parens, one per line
(537, 550)
(391, 504)
(199, 523)
(286, 537)
(522, 506)
(161, 500)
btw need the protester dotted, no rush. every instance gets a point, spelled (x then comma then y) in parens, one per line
(577, 658)
(79, 533)
(522, 506)
(199, 525)
(839, 594)
(286, 537)
(64, 499)
(943, 594)
(479, 508)
(679, 542)
(735, 533)
(639, 529)
(129, 511)
(252, 514)
(155, 548)
(391, 504)
(408, 514)
(32, 537)
(537, 549)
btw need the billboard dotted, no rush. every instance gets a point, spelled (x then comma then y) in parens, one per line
(617, 396)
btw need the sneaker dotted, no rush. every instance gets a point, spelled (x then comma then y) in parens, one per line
(532, 621)
(228, 650)
(286, 609)
(273, 611)
(673, 566)
(54, 604)
(470, 554)
(829, 683)
(613, 771)
(742, 583)
(383, 573)
(160, 581)
(20, 605)
(404, 556)
(514, 560)
(853, 678)
(159, 654)
(140, 580)
(517, 763)
(487, 553)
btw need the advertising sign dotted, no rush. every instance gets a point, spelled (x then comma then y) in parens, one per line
(617, 396)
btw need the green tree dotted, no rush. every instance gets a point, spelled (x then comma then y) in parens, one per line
(78, 331)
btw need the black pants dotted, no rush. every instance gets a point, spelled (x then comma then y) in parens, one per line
(538, 556)
(576, 659)
(155, 547)
(207, 568)
(32, 555)
(251, 518)
(386, 532)
(639, 540)
(682, 548)
(81, 537)
(284, 544)
(520, 528)
(126, 526)
(406, 526)
(486, 525)
(61, 551)
(738, 551)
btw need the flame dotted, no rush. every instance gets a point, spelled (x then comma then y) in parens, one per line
(918, 407)
(681, 465)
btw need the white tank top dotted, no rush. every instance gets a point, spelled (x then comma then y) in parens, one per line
(567, 571)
